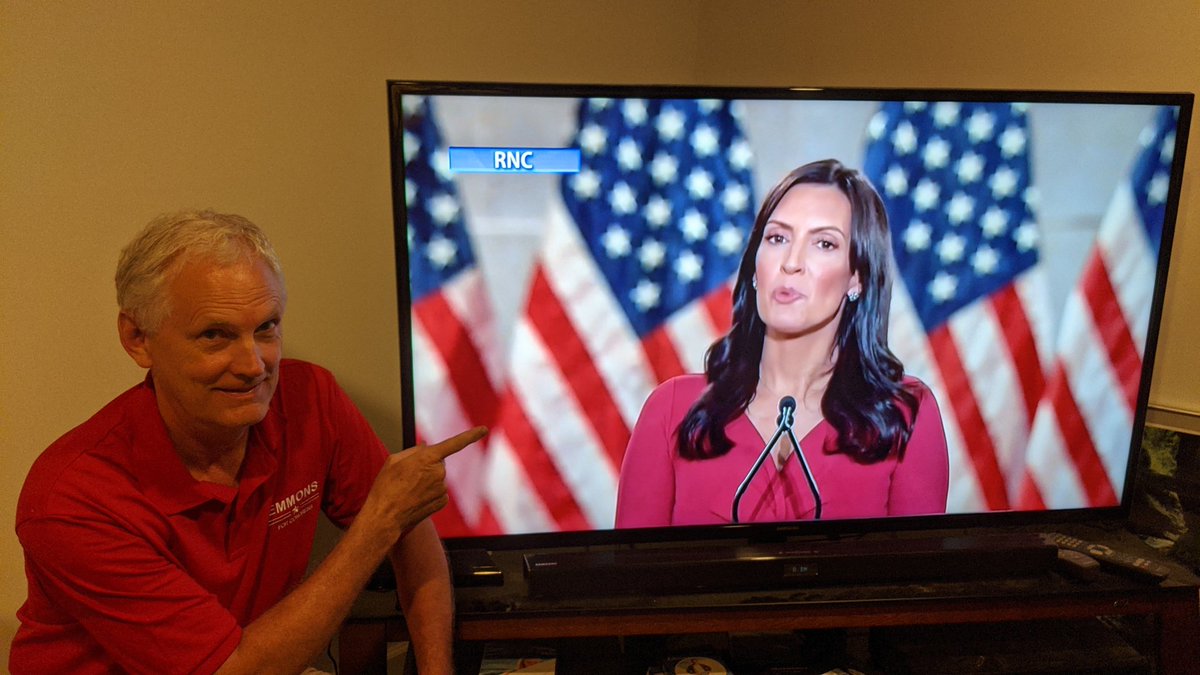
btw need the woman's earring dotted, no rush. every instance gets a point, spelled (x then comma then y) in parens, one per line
(853, 296)
(754, 281)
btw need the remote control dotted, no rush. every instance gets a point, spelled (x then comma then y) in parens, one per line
(1109, 558)
(1079, 565)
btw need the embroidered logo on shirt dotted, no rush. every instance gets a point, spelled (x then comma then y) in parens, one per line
(288, 510)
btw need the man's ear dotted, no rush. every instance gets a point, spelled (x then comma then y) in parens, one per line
(133, 339)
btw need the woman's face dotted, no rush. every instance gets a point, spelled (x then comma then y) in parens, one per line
(802, 267)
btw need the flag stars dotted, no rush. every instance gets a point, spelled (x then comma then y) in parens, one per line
(412, 145)
(740, 154)
(1026, 236)
(918, 236)
(1004, 182)
(960, 209)
(412, 105)
(444, 209)
(593, 139)
(634, 111)
(705, 141)
(629, 155)
(1031, 197)
(616, 242)
(904, 138)
(586, 184)
(981, 125)
(1167, 151)
(441, 252)
(664, 168)
(440, 159)
(645, 295)
(651, 254)
(994, 222)
(689, 267)
(964, 177)
(670, 234)
(943, 287)
(694, 226)
(729, 239)
(877, 126)
(1012, 142)
(657, 211)
(936, 154)
(970, 167)
(670, 124)
(622, 199)
(735, 198)
(945, 113)
(1156, 189)
(1146, 137)
(926, 195)
(895, 181)
(700, 184)
(985, 260)
(951, 248)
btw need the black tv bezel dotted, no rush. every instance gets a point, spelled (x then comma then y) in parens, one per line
(780, 531)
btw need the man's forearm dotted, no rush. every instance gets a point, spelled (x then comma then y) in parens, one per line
(409, 488)
(426, 597)
(290, 635)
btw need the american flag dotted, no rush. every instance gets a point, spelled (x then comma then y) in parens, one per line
(456, 365)
(1081, 435)
(969, 314)
(630, 287)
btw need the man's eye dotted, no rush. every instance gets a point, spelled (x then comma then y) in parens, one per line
(212, 334)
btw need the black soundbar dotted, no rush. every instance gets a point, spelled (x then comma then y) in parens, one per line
(719, 568)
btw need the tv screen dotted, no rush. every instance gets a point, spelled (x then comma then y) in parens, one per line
(959, 291)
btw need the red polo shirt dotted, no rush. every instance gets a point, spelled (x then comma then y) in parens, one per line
(134, 565)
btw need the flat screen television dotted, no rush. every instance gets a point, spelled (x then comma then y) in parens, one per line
(561, 251)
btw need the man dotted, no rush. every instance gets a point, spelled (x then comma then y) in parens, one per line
(171, 531)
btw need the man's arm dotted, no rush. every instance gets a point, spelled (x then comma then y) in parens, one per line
(290, 635)
(426, 597)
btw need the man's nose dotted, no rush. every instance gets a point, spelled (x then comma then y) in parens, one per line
(248, 358)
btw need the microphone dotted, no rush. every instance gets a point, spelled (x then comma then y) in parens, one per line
(787, 412)
(785, 420)
(787, 415)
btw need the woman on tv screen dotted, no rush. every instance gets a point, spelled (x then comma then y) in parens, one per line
(810, 318)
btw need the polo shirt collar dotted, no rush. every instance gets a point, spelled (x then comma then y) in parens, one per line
(165, 480)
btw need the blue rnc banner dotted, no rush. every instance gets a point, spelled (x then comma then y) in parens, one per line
(514, 160)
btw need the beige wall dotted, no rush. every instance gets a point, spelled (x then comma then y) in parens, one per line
(111, 113)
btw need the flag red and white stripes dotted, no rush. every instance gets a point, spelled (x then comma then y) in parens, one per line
(1080, 447)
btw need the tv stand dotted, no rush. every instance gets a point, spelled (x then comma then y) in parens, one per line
(509, 612)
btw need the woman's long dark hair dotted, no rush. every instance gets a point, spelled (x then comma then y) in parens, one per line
(866, 400)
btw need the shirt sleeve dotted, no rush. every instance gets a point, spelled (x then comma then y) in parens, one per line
(921, 480)
(358, 454)
(132, 598)
(646, 489)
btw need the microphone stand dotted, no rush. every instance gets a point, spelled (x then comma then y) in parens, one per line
(808, 474)
(787, 407)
